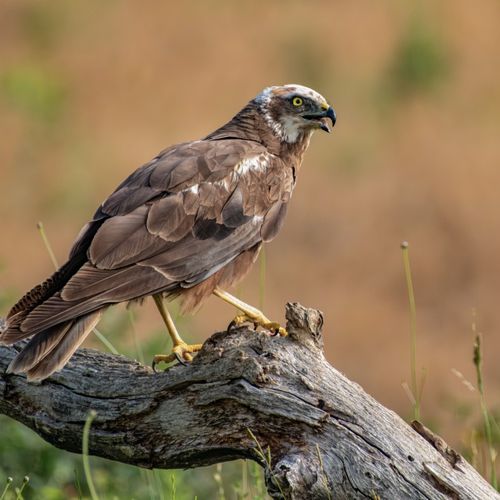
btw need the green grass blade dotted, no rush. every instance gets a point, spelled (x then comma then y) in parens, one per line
(262, 278)
(105, 341)
(244, 477)
(266, 459)
(159, 486)
(46, 242)
(478, 363)
(85, 454)
(6, 489)
(19, 491)
(137, 344)
(78, 485)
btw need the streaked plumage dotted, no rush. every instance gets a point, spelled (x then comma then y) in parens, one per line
(192, 219)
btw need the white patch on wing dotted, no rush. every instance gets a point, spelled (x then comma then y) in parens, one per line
(225, 183)
(253, 164)
(194, 189)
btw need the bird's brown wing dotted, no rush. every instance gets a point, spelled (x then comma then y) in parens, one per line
(172, 224)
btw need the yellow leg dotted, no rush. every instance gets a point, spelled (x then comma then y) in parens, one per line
(250, 313)
(180, 350)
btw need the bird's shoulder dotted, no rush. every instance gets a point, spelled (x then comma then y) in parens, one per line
(186, 165)
(206, 179)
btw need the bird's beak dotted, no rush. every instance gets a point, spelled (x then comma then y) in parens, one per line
(325, 119)
(328, 114)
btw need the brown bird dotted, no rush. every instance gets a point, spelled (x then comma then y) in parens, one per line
(188, 223)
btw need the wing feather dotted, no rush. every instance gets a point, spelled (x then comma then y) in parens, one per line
(188, 228)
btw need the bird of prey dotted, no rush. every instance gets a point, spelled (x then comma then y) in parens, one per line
(187, 224)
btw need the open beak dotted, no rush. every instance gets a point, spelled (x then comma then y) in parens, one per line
(326, 119)
(328, 115)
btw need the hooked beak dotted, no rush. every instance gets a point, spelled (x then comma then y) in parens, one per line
(324, 118)
(329, 113)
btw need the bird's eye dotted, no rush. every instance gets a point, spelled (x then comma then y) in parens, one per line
(297, 101)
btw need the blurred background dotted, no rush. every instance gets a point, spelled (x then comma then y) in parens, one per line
(90, 90)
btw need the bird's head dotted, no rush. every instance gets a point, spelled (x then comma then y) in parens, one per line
(294, 111)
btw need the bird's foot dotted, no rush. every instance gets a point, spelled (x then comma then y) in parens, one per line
(181, 352)
(258, 319)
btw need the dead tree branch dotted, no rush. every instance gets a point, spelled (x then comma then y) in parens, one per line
(327, 438)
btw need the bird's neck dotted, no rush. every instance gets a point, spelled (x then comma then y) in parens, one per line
(249, 124)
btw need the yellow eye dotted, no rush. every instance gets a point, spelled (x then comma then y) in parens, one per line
(297, 101)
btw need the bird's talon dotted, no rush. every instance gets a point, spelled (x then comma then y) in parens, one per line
(276, 329)
(258, 320)
(282, 332)
(161, 358)
(181, 352)
(180, 359)
(238, 321)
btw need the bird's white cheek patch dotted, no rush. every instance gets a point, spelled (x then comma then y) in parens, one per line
(291, 128)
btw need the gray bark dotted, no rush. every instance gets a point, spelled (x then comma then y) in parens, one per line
(327, 438)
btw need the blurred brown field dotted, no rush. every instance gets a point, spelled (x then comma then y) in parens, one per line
(90, 90)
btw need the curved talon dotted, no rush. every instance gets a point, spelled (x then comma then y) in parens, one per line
(273, 327)
(281, 332)
(181, 352)
(240, 320)
(180, 359)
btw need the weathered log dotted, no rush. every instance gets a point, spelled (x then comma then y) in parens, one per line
(243, 392)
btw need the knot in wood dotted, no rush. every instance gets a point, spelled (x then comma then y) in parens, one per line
(304, 325)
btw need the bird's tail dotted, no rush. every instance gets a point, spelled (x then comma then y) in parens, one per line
(49, 350)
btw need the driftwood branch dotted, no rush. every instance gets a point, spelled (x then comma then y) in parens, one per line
(327, 438)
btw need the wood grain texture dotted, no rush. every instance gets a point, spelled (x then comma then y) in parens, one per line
(327, 437)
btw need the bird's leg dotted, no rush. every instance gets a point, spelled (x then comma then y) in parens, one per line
(180, 350)
(249, 313)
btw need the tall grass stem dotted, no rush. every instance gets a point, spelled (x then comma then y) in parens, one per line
(478, 363)
(6, 489)
(262, 278)
(265, 459)
(105, 341)
(137, 344)
(85, 454)
(19, 491)
(413, 330)
(46, 242)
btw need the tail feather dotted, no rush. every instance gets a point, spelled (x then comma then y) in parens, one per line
(51, 349)
(42, 292)
(38, 347)
(12, 332)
